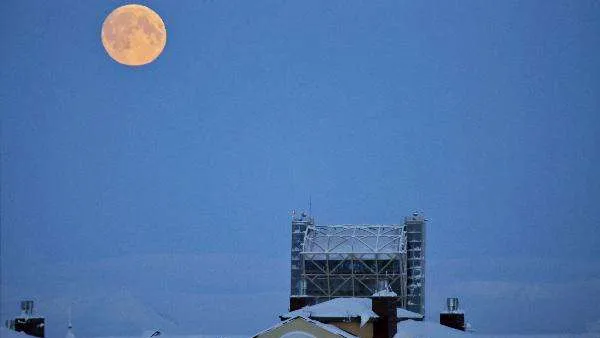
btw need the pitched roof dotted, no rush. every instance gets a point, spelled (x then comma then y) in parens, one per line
(7, 333)
(358, 239)
(329, 328)
(338, 308)
(403, 313)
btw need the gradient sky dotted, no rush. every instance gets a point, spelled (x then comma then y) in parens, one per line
(165, 191)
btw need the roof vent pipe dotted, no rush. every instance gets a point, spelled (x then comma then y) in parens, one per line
(27, 308)
(452, 304)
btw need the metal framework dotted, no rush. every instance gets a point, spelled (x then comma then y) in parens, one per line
(299, 224)
(415, 247)
(352, 260)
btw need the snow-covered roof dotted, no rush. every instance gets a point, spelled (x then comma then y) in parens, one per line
(454, 311)
(6, 333)
(169, 335)
(329, 328)
(385, 293)
(359, 239)
(424, 329)
(403, 313)
(338, 308)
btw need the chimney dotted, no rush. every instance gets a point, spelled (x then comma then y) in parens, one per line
(453, 317)
(385, 303)
(27, 322)
(27, 308)
(298, 302)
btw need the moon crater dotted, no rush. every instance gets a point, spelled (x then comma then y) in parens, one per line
(134, 35)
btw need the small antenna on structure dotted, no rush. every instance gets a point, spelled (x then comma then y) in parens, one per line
(70, 326)
(309, 204)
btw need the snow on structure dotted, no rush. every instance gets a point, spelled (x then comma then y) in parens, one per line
(330, 261)
(385, 293)
(453, 317)
(335, 331)
(337, 308)
(350, 260)
(28, 323)
(300, 223)
(368, 240)
(8, 333)
(415, 247)
(424, 329)
(70, 333)
(384, 290)
(169, 335)
(402, 314)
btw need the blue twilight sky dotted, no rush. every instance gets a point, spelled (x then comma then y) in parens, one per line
(161, 195)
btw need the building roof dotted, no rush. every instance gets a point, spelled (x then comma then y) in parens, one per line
(405, 314)
(424, 329)
(329, 328)
(7, 333)
(70, 334)
(338, 308)
(359, 239)
(385, 293)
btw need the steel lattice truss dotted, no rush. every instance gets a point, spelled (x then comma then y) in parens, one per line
(352, 260)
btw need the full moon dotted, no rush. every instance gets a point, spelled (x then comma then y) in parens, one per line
(134, 35)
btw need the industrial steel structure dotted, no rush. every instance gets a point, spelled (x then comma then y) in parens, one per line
(329, 261)
(299, 225)
(414, 226)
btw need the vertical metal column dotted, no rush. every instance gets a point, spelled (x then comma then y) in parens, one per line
(415, 247)
(299, 224)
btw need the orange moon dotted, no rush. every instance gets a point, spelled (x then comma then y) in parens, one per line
(134, 35)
